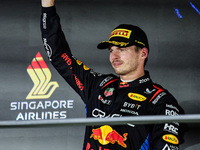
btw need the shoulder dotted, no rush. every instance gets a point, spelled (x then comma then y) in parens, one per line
(105, 79)
(163, 101)
(160, 94)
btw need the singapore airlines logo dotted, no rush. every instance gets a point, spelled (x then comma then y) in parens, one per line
(40, 74)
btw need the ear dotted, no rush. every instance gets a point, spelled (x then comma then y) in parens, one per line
(144, 53)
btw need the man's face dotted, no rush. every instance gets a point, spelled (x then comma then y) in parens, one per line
(125, 61)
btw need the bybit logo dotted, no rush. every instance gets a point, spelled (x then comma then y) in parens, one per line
(40, 74)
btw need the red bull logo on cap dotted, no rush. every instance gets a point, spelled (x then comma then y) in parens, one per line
(105, 135)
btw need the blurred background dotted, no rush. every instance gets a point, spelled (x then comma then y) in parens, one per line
(173, 30)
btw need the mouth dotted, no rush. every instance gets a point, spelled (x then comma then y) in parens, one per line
(116, 64)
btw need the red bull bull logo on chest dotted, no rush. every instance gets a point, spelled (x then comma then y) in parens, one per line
(105, 135)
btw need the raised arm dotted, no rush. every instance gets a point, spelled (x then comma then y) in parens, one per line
(48, 3)
(77, 75)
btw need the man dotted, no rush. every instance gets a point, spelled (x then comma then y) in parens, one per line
(131, 94)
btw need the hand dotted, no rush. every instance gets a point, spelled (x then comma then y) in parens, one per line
(48, 3)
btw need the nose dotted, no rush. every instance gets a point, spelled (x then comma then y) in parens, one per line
(114, 54)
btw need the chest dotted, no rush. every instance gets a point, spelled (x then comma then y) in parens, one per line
(117, 102)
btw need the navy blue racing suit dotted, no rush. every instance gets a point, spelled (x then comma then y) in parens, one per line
(106, 96)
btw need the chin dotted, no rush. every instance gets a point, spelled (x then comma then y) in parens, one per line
(119, 72)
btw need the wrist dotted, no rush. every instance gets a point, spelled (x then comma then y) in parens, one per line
(48, 3)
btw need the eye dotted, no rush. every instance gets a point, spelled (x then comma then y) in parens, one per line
(110, 50)
(123, 49)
